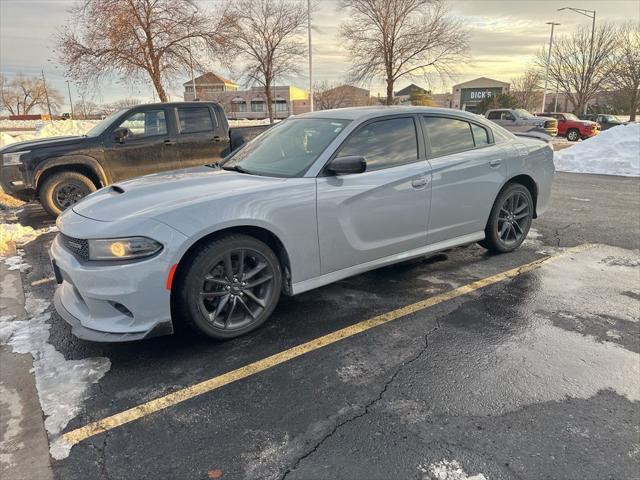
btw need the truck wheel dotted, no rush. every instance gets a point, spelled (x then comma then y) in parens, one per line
(573, 135)
(63, 189)
(229, 287)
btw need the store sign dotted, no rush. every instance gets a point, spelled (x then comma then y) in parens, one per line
(479, 94)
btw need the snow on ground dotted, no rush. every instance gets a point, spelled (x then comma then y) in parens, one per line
(62, 384)
(447, 470)
(613, 152)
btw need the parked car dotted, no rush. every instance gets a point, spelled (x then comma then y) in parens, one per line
(520, 120)
(606, 121)
(136, 141)
(572, 127)
(319, 197)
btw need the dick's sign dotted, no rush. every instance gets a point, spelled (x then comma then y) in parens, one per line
(479, 94)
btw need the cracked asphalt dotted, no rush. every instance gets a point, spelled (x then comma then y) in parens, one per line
(534, 377)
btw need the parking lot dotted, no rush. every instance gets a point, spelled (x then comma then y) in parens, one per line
(515, 366)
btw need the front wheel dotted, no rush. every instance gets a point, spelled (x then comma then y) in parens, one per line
(64, 189)
(573, 135)
(510, 219)
(229, 287)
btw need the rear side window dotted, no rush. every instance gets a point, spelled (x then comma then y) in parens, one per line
(145, 124)
(384, 143)
(480, 135)
(195, 120)
(447, 135)
(495, 115)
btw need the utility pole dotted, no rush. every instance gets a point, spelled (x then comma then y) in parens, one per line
(70, 100)
(310, 57)
(546, 71)
(592, 15)
(46, 94)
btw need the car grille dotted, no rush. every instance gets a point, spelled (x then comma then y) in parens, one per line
(79, 248)
(550, 124)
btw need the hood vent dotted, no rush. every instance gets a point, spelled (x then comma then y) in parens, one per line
(116, 188)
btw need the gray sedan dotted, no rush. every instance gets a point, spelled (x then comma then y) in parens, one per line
(317, 198)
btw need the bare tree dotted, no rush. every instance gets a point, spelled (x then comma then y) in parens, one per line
(527, 89)
(578, 70)
(134, 39)
(266, 37)
(22, 94)
(391, 39)
(625, 76)
(327, 95)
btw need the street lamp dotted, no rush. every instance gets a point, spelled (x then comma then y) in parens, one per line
(592, 15)
(310, 62)
(546, 72)
(70, 100)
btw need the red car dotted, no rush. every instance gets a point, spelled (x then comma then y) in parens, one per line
(572, 127)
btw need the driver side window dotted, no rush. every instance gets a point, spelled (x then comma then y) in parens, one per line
(145, 124)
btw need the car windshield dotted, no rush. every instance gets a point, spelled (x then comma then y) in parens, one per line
(570, 116)
(522, 113)
(288, 149)
(102, 125)
(611, 118)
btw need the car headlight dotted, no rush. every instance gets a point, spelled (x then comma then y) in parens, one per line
(123, 248)
(587, 124)
(14, 158)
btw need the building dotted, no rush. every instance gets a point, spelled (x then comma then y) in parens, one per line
(250, 104)
(467, 95)
(443, 100)
(207, 84)
(341, 96)
(403, 96)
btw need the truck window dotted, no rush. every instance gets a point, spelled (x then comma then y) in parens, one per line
(195, 120)
(447, 135)
(384, 143)
(145, 124)
(495, 115)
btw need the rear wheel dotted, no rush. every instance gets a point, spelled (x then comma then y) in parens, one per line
(510, 219)
(229, 287)
(573, 135)
(64, 189)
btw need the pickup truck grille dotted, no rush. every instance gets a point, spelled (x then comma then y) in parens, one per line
(550, 124)
(79, 248)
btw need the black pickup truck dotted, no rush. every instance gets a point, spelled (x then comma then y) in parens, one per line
(136, 141)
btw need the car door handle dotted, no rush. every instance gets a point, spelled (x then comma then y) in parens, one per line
(496, 162)
(169, 142)
(419, 182)
(218, 138)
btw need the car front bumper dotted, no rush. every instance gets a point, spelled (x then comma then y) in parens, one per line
(116, 301)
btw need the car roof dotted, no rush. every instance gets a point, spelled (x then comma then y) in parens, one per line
(365, 113)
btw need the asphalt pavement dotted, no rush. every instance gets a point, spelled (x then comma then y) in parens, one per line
(528, 376)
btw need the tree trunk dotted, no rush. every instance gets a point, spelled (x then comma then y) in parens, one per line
(633, 106)
(389, 91)
(157, 84)
(267, 92)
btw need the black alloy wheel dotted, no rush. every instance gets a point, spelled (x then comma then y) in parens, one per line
(510, 219)
(232, 286)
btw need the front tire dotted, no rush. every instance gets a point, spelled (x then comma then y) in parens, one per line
(229, 287)
(573, 135)
(510, 219)
(64, 189)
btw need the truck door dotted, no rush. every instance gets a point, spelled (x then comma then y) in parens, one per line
(148, 147)
(201, 137)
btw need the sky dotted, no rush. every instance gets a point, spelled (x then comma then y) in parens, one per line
(504, 38)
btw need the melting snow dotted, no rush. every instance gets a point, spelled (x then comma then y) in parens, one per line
(447, 470)
(613, 152)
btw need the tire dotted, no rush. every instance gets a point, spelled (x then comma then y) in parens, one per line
(64, 189)
(573, 135)
(509, 223)
(221, 305)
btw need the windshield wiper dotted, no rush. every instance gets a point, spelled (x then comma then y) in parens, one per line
(237, 168)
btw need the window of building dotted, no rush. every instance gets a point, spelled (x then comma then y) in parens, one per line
(195, 119)
(257, 106)
(238, 105)
(384, 144)
(448, 135)
(280, 105)
(145, 124)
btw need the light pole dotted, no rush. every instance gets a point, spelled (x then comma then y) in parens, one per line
(592, 15)
(46, 93)
(546, 71)
(70, 100)
(310, 55)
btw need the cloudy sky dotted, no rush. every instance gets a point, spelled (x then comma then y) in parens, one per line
(504, 37)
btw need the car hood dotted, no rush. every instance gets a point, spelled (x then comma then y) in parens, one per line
(41, 143)
(153, 195)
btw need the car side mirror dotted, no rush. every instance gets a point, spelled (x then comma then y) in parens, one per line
(120, 133)
(347, 165)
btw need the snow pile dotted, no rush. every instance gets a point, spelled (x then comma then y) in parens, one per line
(7, 124)
(613, 152)
(447, 470)
(6, 139)
(65, 128)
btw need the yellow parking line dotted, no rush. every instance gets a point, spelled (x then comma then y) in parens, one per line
(78, 435)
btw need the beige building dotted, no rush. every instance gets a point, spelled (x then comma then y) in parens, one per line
(252, 103)
(467, 95)
(342, 96)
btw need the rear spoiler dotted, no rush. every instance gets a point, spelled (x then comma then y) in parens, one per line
(534, 134)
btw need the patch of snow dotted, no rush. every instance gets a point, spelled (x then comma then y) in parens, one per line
(613, 152)
(14, 233)
(6, 139)
(581, 199)
(447, 470)
(16, 263)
